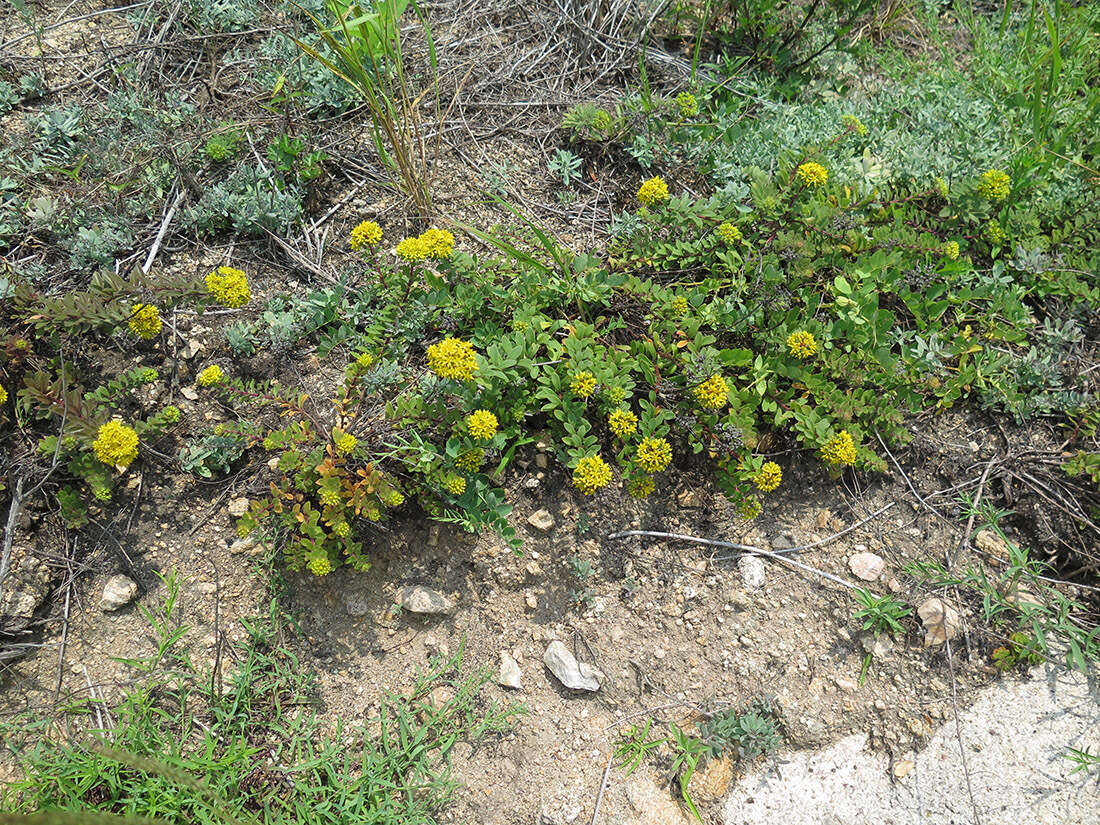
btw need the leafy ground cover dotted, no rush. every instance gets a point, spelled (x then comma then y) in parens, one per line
(805, 252)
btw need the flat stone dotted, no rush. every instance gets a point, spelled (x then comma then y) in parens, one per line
(424, 600)
(572, 674)
(941, 621)
(690, 499)
(783, 541)
(541, 520)
(751, 569)
(238, 507)
(866, 566)
(118, 592)
(509, 672)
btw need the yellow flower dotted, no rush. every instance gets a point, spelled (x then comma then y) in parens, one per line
(211, 375)
(439, 243)
(951, 250)
(728, 233)
(342, 529)
(145, 321)
(412, 249)
(622, 422)
(456, 485)
(713, 393)
(941, 188)
(641, 486)
(994, 185)
(679, 306)
(470, 460)
(116, 445)
(750, 507)
(812, 174)
(591, 474)
(689, 106)
(801, 344)
(840, 450)
(482, 425)
(994, 234)
(319, 564)
(583, 384)
(769, 477)
(653, 191)
(368, 233)
(853, 124)
(229, 287)
(452, 358)
(3, 394)
(344, 442)
(653, 455)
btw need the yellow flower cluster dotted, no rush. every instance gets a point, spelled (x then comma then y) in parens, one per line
(951, 250)
(801, 344)
(854, 124)
(411, 249)
(750, 507)
(994, 185)
(211, 375)
(728, 233)
(653, 455)
(713, 393)
(583, 384)
(641, 486)
(812, 174)
(769, 477)
(653, 191)
(229, 287)
(342, 529)
(320, 565)
(368, 233)
(456, 485)
(679, 306)
(840, 450)
(145, 321)
(470, 460)
(3, 394)
(622, 422)
(591, 474)
(432, 243)
(689, 106)
(452, 358)
(440, 243)
(482, 425)
(994, 234)
(116, 444)
(941, 188)
(344, 442)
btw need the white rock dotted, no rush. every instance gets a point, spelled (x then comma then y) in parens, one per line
(238, 507)
(424, 600)
(509, 672)
(866, 566)
(752, 571)
(941, 621)
(118, 592)
(541, 520)
(574, 675)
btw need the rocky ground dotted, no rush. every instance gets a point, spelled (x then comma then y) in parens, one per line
(589, 633)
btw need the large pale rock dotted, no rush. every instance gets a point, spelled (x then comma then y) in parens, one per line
(572, 674)
(941, 621)
(866, 566)
(509, 672)
(117, 593)
(425, 601)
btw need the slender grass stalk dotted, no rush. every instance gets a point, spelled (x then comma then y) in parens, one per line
(364, 49)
